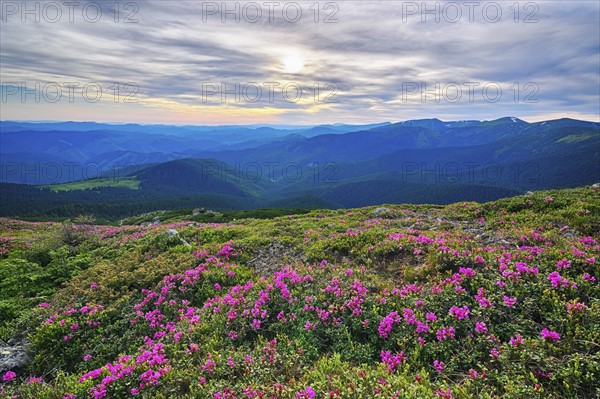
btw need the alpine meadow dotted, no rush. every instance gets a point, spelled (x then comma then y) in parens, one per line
(299, 199)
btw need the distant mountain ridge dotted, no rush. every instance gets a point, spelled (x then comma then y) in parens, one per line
(425, 160)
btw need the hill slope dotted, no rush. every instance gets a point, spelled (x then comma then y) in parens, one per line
(465, 301)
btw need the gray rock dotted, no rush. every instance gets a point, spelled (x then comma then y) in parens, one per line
(13, 356)
(379, 212)
(175, 233)
(276, 257)
(596, 185)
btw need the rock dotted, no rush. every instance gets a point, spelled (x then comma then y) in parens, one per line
(175, 233)
(529, 193)
(14, 355)
(275, 257)
(596, 185)
(382, 212)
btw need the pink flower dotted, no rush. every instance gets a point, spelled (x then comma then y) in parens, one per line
(430, 317)
(494, 352)
(385, 327)
(575, 307)
(447, 394)
(589, 277)
(557, 280)
(517, 340)
(255, 324)
(481, 327)
(445, 333)
(309, 326)
(510, 302)
(392, 361)
(550, 335)
(483, 301)
(87, 357)
(306, 393)
(438, 365)
(460, 313)
(9, 376)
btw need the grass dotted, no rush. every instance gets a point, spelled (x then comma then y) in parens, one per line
(128, 182)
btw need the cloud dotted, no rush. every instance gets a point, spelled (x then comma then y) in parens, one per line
(370, 55)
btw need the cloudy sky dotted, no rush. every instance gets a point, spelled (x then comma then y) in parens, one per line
(304, 62)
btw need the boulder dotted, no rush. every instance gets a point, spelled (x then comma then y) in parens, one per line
(13, 355)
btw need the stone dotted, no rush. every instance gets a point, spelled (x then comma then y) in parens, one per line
(14, 355)
(380, 212)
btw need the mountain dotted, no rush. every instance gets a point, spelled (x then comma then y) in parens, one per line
(417, 161)
(81, 150)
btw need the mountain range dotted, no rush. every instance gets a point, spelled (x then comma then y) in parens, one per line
(60, 169)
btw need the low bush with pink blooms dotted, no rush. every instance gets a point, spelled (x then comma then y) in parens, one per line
(462, 301)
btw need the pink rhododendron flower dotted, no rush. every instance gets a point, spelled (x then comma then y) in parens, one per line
(550, 335)
(510, 302)
(481, 327)
(306, 393)
(517, 340)
(9, 376)
(445, 394)
(460, 313)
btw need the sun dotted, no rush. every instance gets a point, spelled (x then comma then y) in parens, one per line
(293, 63)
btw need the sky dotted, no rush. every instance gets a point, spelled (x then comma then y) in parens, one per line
(303, 62)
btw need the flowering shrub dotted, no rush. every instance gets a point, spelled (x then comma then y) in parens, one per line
(464, 301)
